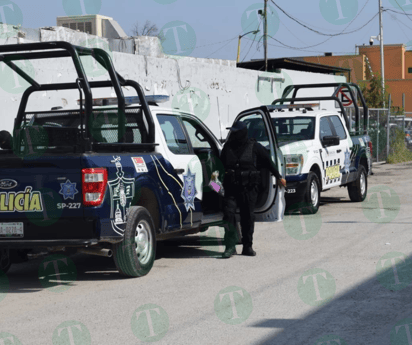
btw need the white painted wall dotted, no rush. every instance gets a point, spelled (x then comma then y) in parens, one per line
(229, 89)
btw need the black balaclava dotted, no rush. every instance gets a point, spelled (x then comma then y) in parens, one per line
(238, 139)
(5, 140)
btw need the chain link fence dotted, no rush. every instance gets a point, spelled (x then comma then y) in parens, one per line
(386, 141)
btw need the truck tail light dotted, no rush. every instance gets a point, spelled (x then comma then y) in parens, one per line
(94, 186)
(370, 147)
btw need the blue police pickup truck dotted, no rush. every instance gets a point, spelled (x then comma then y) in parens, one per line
(115, 175)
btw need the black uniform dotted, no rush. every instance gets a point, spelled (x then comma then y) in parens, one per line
(242, 159)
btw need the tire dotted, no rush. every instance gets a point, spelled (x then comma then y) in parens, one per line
(359, 189)
(135, 256)
(5, 260)
(312, 194)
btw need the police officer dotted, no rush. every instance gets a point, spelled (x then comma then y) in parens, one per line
(242, 158)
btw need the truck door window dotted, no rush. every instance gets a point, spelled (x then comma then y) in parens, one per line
(197, 135)
(256, 129)
(174, 135)
(325, 129)
(337, 124)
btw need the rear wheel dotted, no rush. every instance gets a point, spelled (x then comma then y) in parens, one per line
(312, 193)
(359, 188)
(134, 257)
(5, 261)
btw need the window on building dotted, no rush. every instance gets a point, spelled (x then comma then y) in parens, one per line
(410, 70)
(88, 28)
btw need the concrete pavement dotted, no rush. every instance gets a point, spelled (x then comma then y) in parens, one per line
(343, 276)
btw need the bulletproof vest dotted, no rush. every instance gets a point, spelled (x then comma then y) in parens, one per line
(246, 161)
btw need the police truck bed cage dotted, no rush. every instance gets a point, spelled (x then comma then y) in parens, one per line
(47, 50)
(334, 97)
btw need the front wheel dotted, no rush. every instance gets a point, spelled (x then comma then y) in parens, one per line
(359, 188)
(312, 193)
(135, 256)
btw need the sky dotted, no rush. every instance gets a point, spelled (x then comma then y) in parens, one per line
(210, 29)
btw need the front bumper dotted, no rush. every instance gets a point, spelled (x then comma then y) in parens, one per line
(296, 186)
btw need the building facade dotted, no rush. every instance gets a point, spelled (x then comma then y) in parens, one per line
(398, 68)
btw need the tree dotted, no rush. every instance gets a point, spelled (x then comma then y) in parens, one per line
(373, 93)
(148, 29)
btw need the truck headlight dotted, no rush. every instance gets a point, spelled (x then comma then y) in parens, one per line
(294, 164)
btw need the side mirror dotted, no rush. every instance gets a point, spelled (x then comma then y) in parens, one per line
(331, 140)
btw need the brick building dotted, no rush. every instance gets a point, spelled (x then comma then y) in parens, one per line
(398, 68)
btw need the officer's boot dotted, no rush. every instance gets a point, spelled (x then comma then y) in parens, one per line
(248, 250)
(230, 242)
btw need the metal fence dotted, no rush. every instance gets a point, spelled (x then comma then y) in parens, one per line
(383, 140)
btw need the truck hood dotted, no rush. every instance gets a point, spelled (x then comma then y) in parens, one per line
(295, 147)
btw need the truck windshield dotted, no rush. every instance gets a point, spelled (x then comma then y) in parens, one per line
(291, 129)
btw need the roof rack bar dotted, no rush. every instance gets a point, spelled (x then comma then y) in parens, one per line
(338, 86)
(20, 72)
(310, 99)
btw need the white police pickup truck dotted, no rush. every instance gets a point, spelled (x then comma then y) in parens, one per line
(319, 150)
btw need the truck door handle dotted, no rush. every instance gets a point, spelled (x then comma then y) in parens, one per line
(179, 171)
(339, 151)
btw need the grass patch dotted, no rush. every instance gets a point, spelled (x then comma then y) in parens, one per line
(398, 151)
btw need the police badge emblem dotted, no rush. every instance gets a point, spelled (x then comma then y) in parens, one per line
(347, 162)
(189, 190)
(121, 196)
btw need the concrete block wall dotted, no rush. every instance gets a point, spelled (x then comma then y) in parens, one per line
(215, 90)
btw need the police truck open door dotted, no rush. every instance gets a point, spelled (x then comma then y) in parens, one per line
(270, 205)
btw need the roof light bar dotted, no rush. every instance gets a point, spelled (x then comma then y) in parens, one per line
(99, 102)
(293, 106)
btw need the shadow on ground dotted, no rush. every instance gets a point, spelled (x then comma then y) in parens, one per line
(367, 314)
(26, 277)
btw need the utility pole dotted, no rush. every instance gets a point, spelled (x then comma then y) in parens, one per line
(265, 34)
(382, 56)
